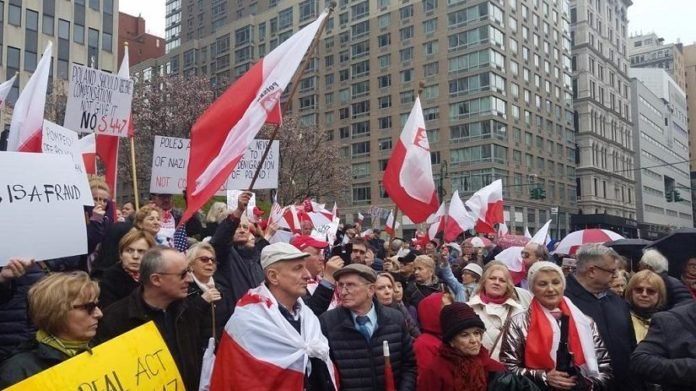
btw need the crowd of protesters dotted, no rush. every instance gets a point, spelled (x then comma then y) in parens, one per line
(451, 315)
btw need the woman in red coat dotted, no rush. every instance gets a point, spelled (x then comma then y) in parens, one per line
(462, 364)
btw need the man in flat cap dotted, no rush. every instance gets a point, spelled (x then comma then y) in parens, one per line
(357, 330)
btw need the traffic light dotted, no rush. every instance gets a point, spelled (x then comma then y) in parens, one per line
(533, 193)
(670, 196)
(537, 193)
(542, 193)
(677, 197)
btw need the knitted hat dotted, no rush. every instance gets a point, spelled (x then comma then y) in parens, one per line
(457, 317)
(544, 266)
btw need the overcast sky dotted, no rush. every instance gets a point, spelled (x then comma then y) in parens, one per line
(670, 19)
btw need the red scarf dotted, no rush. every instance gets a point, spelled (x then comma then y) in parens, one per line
(471, 374)
(134, 275)
(495, 300)
(537, 353)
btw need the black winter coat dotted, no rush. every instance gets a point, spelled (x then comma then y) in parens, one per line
(30, 358)
(677, 292)
(239, 269)
(613, 319)
(15, 326)
(361, 364)
(114, 285)
(667, 355)
(415, 292)
(186, 340)
(223, 309)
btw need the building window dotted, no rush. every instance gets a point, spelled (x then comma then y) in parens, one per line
(93, 48)
(13, 55)
(14, 14)
(361, 193)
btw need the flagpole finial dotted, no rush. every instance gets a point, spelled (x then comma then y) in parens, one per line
(421, 86)
(125, 43)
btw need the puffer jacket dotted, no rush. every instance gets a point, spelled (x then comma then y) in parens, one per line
(361, 363)
(494, 317)
(513, 348)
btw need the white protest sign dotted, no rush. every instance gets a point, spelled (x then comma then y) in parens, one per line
(41, 207)
(233, 201)
(98, 102)
(170, 162)
(61, 141)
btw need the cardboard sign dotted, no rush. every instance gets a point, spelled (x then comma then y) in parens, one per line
(136, 360)
(170, 162)
(233, 196)
(98, 102)
(40, 207)
(62, 141)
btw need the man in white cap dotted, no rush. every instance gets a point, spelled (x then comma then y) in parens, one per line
(273, 340)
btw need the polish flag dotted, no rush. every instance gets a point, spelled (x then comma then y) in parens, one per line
(487, 206)
(289, 218)
(222, 135)
(334, 212)
(5, 89)
(408, 178)
(260, 350)
(502, 229)
(390, 227)
(527, 234)
(542, 235)
(439, 222)
(459, 219)
(28, 112)
(361, 218)
(276, 209)
(88, 149)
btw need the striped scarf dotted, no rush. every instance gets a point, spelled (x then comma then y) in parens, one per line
(69, 348)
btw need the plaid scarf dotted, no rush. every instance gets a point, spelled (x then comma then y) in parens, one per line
(69, 348)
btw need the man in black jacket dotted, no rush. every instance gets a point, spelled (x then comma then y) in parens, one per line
(184, 323)
(589, 290)
(667, 355)
(238, 253)
(356, 332)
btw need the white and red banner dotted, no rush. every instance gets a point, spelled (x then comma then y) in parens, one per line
(408, 178)
(486, 206)
(88, 149)
(391, 225)
(438, 224)
(28, 112)
(5, 89)
(459, 219)
(261, 350)
(224, 132)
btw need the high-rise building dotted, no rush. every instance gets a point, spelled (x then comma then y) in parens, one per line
(650, 51)
(82, 32)
(605, 157)
(141, 44)
(661, 140)
(690, 77)
(172, 26)
(497, 98)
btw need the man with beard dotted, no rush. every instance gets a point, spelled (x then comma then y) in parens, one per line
(238, 252)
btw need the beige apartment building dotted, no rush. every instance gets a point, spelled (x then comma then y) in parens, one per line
(606, 158)
(651, 51)
(82, 32)
(497, 97)
(690, 77)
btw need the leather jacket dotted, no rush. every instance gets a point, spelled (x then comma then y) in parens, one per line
(512, 354)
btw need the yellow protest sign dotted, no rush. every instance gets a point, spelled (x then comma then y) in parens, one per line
(136, 360)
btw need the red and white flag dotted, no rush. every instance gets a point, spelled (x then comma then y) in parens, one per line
(361, 218)
(261, 350)
(334, 212)
(221, 136)
(391, 226)
(88, 149)
(5, 89)
(28, 112)
(487, 206)
(408, 178)
(458, 219)
(276, 210)
(439, 219)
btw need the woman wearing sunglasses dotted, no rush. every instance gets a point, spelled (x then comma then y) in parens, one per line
(646, 294)
(64, 309)
(201, 259)
(119, 280)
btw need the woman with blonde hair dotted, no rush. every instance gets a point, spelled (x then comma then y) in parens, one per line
(65, 311)
(201, 259)
(495, 302)
(149, 219)
(216, 213)
(425, 281)
(646, 294)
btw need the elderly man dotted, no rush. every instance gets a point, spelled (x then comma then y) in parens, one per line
(238, 252)
(589, 290)
(185, 324)
(356, 332)
(532, 253)
(273, 341)
(320, 288)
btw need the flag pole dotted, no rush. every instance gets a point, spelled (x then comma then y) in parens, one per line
(295, 84)
(136, 195)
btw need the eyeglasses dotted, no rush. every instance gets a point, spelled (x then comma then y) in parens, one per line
(88, 307)
(648, 291)
(207, 259)
(132, 251)
(181, 275)
(349, 287)
(610, 271)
